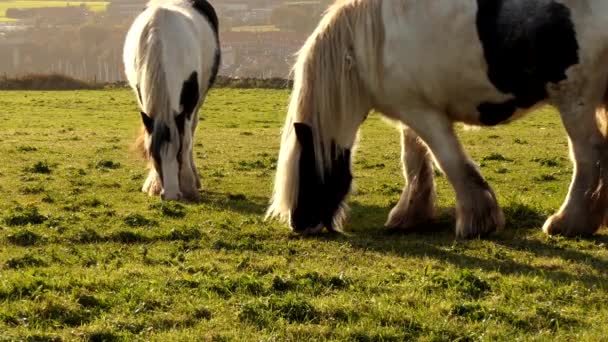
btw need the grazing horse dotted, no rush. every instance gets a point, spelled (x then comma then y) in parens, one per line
(429, 64)
(171, 58)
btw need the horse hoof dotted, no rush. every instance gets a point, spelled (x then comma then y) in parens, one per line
(192, 197)
(559, 225)
(312, 230)
(171, 197)
(551, 226)
(398, 219)
(409, 220)
(480, 222)
(152, 189)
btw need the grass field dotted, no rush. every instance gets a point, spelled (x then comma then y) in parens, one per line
(85, 255)
(96, 6)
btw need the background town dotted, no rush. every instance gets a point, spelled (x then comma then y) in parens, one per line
(84, 39)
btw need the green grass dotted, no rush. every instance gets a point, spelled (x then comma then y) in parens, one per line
(96, 6)
(85, 255)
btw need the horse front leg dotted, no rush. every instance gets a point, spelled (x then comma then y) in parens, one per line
(477, 210)
(584, 209)
(417, 203)
(152, 186)
(189, 183)
(187, 178)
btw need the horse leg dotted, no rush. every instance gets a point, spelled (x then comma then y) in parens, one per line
(197, 176)
(584, 209)
(417, 203)
(152, 185)
(477, 210)
(187, 175)
(187, 179)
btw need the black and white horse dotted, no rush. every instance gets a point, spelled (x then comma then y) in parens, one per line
(171, 58)
(429, 64)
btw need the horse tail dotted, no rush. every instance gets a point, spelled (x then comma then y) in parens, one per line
(151, 79)
(337, 65)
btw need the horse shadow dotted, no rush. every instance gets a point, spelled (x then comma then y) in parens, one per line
(235, 202)
(437, 241)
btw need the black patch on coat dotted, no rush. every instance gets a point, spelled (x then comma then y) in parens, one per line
(217, 60)
(527, 44)
(141, 101)
(160, 138)
(189, 99)
(190, 95)
(148, 122)
(492, 114)
(206, 10)
(319, 200)
(180, 122)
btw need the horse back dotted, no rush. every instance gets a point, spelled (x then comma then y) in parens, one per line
(486, 61)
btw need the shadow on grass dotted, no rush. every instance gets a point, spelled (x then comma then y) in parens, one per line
(437, 241)
(240, 203)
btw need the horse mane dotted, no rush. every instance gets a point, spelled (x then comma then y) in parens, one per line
(329, 93)
(139, 146)
(152, 82)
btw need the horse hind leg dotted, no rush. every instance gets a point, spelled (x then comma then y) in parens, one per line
(585, 208)
(477, 211)
(417, 203)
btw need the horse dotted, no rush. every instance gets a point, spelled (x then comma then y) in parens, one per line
(171, 58)
(428, 65)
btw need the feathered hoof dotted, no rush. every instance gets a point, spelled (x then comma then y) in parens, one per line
(171, 197)
(560, 225)
(409, 218)
(191, 197)
(311, 231)
(480, 221)
(152, 188)
(317, 231)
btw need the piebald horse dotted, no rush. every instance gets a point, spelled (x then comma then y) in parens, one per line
(427, 65)
(171, 58)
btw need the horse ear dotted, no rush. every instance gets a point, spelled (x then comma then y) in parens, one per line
(148, 122)
(304, 133)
